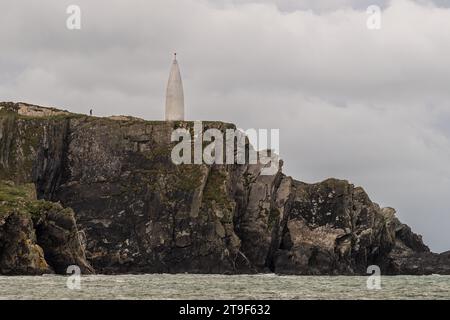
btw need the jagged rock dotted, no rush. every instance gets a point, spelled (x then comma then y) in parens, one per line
(19, 253)
(139, 212)
(256, 225)
(36, 237)
(59, 238)
(409, 254)
(333, 228)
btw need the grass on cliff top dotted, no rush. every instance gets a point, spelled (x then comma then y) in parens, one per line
(21, 198)
(6, 112)
(13, 197)
(10, 192)
(11, 108)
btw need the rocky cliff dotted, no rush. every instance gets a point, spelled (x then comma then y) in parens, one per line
(36, 237)
(137, 212)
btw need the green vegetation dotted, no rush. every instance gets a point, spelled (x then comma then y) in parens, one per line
(215, 188)
(22, 199)
(190, 176)
(53, 117)
(14, 197)
(20, 138)
(17, 153)
(274, 217)
(10, 192)
(159, 153)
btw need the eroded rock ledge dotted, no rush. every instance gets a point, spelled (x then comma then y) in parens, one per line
(36, 237)
(138, 212)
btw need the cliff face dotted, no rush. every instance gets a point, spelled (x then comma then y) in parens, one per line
(138, 212)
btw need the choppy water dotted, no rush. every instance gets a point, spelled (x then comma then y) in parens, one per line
(186, 286)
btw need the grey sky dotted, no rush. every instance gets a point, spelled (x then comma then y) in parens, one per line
(369, 106)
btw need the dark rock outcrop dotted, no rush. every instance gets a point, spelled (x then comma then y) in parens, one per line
(19, 253)
(36, 237)
(139, 212)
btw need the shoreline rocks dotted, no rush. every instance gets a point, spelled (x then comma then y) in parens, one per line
(36, 237)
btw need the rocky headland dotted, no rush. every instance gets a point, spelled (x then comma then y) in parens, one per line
(103, 194)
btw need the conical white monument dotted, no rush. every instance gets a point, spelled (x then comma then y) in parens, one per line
(174, 94)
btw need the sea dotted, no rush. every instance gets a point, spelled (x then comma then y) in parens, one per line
(227, 287)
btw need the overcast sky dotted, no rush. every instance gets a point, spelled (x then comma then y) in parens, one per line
(370, 106)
